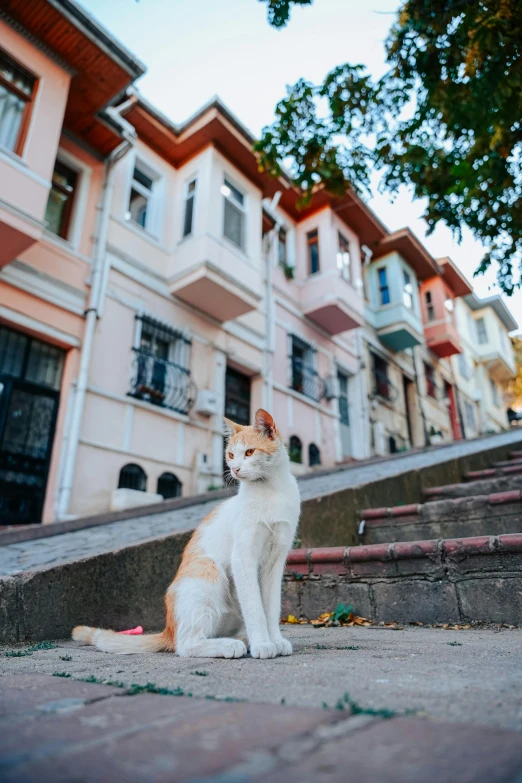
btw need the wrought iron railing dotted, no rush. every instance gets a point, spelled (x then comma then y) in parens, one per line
(383, 387)
(304, 379)
(161, 382)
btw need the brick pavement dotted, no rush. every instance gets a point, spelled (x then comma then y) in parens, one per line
(29, 555)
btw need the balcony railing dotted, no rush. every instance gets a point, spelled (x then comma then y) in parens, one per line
(306, 380)
(161, 382)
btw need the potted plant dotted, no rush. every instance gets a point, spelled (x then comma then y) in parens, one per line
(435, 436)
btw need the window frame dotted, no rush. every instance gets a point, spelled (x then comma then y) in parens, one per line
(481, 333)
(381, 287)
(312, 238)
(431, 381)
(229, 183)
(345, 269)
(383, 385)
(70, 208)
(406, 282)
(282, 242)
(189, 196)
(29, 101)
(430, 307)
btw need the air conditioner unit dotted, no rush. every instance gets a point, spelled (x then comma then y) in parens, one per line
(331, 387)
(206, 402)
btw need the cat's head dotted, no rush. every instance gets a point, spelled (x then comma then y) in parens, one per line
(253, 453)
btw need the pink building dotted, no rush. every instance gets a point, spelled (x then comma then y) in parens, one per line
(154, 280)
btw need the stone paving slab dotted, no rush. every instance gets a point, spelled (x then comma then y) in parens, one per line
(165, 738)
(42, 553)
(455, 676)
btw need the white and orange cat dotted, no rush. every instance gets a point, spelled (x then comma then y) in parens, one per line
(230, 575)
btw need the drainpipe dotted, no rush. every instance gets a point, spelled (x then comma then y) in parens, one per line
(99, 277)
(269, 347)
(365, 400)
(421, 401)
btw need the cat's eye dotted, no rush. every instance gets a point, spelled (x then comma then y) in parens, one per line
(249, 452)
(230, 455)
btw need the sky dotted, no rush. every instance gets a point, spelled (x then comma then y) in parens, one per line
(195, 49)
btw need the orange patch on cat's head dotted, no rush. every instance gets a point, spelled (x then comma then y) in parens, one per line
(262, 435)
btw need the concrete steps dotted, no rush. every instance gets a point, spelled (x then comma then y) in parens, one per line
(511, 470)
(470, 488)
(493, 514)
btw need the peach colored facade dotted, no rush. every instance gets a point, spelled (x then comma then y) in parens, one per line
(153, 280)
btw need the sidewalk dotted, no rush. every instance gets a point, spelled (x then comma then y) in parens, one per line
(460, 690)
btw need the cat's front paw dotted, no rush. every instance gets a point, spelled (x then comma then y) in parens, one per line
(283, 646)
(263, 650)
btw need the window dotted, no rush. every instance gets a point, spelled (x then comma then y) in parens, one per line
(430, 307)
(482, 334)
(407, 291)
(471, 328)
(29, 359)
(431, 386)
(344, 411)
(295, 450)
(234, 220)
(382, 385)
(312, 240)
(464, 368)
(140, 200)
(494, 392)
(133, 477)
(161, 367)
(384, 291)
(61, 199)
(469, 414)
(314, 455)
(281, 248)
(169, 486)
(189, 208)
(304, 378)
(449, 304)
(343, 258)
(17, 90)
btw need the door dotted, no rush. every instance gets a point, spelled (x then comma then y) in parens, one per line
(449, 393)
(30, 376)
(408, 387)
(237, 399)
(344, 414)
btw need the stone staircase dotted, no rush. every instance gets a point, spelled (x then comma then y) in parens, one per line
(456, 558)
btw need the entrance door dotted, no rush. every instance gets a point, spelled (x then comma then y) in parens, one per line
(30, 375)
(237, 400)
(408, 386)
(449, 393)
(344, 413)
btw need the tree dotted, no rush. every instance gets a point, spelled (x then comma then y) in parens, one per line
(279, 10)
(514, 386)
(446, 120)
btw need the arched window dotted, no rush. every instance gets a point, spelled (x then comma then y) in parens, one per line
(295, 450)
(133, 477)
(169, 486)
(314, 455)
(393, 445)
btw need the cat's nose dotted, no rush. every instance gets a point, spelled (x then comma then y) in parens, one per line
(235, 471)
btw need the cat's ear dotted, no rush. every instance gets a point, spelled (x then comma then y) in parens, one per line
(264, 423)
(231, 428)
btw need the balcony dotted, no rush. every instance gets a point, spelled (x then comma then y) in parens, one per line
(396, 326)
(332, 302)
(162, 383)
(22, 207)
(442, 338)
(224, 285)
(500, 365)
(306, 380)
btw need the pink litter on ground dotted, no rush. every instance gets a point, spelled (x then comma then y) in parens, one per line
(133, 631)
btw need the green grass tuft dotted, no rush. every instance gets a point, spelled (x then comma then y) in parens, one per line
(31, 650)
(62, 674)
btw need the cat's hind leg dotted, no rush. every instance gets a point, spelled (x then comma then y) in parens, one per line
(201, 608)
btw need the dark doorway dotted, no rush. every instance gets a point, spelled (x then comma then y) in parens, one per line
(30, 378)
(237, 400)
(407, 386)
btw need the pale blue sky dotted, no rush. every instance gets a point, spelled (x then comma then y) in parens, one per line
(195, 49)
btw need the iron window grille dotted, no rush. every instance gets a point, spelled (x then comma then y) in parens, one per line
(160, 367)
(295, 450)
(303, 376)
(432, 389)
(314, 455)
(132, 477)
(169, 486)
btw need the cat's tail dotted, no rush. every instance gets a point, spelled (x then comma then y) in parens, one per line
(111, 641)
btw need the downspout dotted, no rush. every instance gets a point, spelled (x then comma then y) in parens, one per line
(269, 348)
(365, 398)
(421, 401)
(99, 276)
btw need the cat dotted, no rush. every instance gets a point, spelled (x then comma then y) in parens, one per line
(232, 568)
